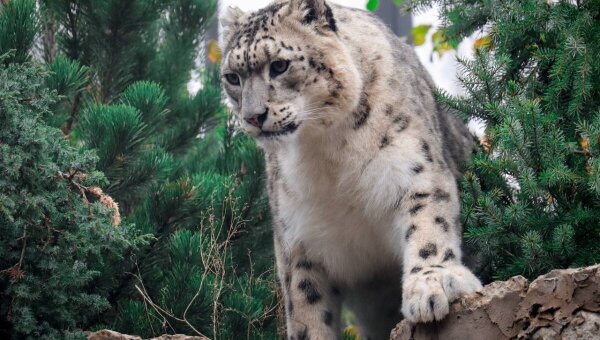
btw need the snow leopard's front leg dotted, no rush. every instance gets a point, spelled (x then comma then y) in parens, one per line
(312, 302)
(430, 229)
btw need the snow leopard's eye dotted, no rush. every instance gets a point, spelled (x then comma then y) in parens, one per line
(232, 79)
(278, 67)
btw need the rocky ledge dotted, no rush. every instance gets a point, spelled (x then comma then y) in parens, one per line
(106, 334)
(563, 304)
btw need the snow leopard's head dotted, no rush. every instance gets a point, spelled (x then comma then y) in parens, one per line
(285, 68)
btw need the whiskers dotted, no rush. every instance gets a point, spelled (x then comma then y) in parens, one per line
(313, 112)
(312, 118)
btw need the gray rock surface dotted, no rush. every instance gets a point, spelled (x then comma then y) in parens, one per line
(563, 304)
(106, 334)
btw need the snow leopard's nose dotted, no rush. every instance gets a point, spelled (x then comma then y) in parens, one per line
(257, 119)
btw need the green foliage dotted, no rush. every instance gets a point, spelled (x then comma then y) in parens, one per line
(18, 25)
(68, 78)
(55, 238)
(372, 5)
(115, 82)
(206, 267)
(531, 197)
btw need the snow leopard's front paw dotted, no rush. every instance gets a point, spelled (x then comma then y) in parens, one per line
(427, 292)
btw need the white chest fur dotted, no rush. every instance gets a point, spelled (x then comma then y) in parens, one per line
(322, 202)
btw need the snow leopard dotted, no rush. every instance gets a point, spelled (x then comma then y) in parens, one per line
(362, 166)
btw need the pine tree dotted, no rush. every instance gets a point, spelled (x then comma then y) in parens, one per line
(176, 166)
(59, 232)
(173, 161)
(532, 193)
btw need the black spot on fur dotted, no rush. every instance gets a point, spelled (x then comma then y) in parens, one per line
(419, 195)
(428, 272)
(389, 110)
(431, 302)
(362, 113)
(330, 19)
(437, 266)
(385, 141)
(426, 151)
(442, 221)
(301, 335)
(290, 306)
(416, 270)
(312, 294)
(335, 291)
(304, 264)
(410, 231)
(310, 16)
(401, 123)
(327, 317)
(428, 250)
(449, 255)
(441, 195)
(416, 208)
(247, 33)
(321, 67)
(418, 168)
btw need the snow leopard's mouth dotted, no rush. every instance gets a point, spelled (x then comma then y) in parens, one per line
(286, 130)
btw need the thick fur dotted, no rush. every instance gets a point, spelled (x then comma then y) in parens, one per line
(361, 163)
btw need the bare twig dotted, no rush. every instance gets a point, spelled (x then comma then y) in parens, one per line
(15, 272)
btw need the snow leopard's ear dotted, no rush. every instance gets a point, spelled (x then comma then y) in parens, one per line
(314, 12)
(230, 22)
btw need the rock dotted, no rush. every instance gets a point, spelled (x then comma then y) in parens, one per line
(563, 304)
(106, 334)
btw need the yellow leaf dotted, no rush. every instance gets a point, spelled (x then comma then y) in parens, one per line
(483, 42)
(585, 144)
(441, 44)
(214, 52)
(419, 33)
(485, 142)
(352, 332)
